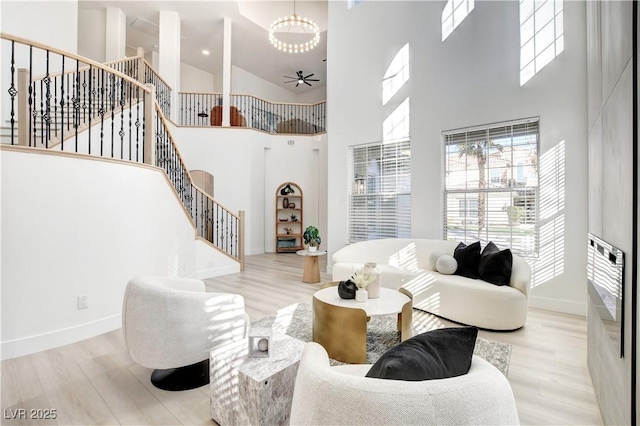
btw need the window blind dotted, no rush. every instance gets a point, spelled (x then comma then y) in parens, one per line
(491, 185)
(379, 191)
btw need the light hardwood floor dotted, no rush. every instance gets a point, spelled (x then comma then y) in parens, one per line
(96, 382)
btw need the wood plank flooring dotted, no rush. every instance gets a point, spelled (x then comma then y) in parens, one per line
(95, 381)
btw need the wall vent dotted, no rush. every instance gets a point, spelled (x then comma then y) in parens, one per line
(291, 142)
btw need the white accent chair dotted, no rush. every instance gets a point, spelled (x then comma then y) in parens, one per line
(342, 395)
(172, 324)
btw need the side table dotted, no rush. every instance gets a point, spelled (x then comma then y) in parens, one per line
(254, 391)
(311, 273)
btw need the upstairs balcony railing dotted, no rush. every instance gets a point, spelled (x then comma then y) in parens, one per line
(205, 109)
(60, 101)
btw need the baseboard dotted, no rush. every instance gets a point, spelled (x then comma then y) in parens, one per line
(556, 305)
(56, 338)
(216, 272)
(255, 251)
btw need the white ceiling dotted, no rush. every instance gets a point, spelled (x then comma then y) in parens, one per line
(201, 25)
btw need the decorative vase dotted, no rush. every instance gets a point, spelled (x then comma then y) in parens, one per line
(374, 286)
(362, 295)
(285, 203)
(313, 249)
(347, 289)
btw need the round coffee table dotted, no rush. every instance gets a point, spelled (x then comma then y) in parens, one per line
(340, 325)
(311, 273)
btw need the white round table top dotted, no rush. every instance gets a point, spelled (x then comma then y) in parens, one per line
(389, 302)
(311, 253)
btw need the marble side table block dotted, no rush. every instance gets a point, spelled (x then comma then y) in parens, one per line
(254, 391)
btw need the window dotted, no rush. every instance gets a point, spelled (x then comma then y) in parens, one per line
(541, 35)
(453, 14)
(353, 3)
(491, 185)
(380, 192)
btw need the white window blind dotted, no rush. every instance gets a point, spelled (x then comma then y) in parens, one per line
(380, 191)
(491, 185)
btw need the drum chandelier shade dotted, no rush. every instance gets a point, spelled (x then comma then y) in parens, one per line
(289, 22)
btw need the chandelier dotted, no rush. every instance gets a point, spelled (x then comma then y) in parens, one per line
(287, 23)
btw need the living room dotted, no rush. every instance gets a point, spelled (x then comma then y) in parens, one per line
(471, 79)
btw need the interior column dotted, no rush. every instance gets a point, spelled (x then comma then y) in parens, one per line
(169, 56)
(226, 72)
(116, 34)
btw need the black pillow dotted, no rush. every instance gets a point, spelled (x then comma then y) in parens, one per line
(436, 354)
(495, 265)
(468, 257)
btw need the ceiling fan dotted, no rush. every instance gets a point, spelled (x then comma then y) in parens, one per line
(300, 78)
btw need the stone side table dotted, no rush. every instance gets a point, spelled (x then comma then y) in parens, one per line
(254, 391)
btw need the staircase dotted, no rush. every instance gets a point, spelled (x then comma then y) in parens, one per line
(79, 106)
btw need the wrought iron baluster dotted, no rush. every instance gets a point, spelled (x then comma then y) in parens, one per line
(144, 123)
(137, 124)
(102, 109)
(121, 132)
(130, 117)
(42, 140)
(32, 99)
(112, 99)
(91, 93)
(76, 103)
(12, 90)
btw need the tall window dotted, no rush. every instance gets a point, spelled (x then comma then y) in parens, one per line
(353, 3)
(453, 14)
(380, 191)
(541, 35)
(491, 185)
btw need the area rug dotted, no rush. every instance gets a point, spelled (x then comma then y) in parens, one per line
(295, 321)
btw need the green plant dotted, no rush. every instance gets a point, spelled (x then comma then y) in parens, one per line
(311, 236)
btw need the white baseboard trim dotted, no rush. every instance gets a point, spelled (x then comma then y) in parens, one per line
(556, 305)
(53, 339)
(216, 272)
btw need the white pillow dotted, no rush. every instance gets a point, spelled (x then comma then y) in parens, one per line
(433, 258)
(446, 264)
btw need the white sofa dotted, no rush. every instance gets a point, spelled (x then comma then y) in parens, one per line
(406, 263)
(342, 395)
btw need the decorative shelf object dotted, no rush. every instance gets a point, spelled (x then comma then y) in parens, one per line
(289, 204)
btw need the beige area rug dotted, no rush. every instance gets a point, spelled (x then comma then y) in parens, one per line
(295, 321)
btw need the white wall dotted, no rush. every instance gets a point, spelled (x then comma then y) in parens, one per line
(74, 227)
(245, 83)
(470, 79)
(92, 34)
(194, 79)
(248, 165)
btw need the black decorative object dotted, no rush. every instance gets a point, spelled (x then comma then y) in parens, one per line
(436, 354)
(347, 289)
(287, 190)
(285, 203)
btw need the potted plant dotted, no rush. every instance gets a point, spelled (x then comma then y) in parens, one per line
(312, 238)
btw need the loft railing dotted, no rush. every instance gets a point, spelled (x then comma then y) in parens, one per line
(213, 222)
(204, 109)
(196, 108)
(57, 100)
(302, 119)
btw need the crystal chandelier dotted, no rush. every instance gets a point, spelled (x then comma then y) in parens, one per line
(289, 22)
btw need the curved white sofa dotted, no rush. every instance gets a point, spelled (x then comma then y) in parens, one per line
(405, 262)
(342, 395)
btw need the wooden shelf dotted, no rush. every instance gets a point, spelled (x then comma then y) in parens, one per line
(282, 211)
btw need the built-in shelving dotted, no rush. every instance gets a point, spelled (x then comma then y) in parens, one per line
(292, 241)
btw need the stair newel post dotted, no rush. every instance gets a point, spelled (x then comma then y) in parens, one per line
(140, 65)
(149, 141)
(241, 239)
(23, 107)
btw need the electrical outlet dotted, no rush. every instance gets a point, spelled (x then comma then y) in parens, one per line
(83, 302)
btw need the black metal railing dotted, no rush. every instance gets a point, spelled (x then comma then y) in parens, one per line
(55, 96)
(163, 91)
(213, 222)
(127, 66)
(302, 119)
(196, 109)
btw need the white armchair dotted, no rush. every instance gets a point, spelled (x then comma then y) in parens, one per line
(171, 325)
(342, 395)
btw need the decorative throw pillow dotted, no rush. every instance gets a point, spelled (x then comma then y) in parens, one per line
(436, 354)
(467, 257)
(433, 258)
(495, 265)
(446, 264)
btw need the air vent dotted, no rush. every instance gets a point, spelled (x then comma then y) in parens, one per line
(291, 142)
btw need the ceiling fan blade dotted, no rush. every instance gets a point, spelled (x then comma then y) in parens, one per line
(290, 81)
(307, 83)
(311, 79)
(298, 84)
(294, 78)
(310, 75)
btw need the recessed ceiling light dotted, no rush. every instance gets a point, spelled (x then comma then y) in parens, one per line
(205, 52)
